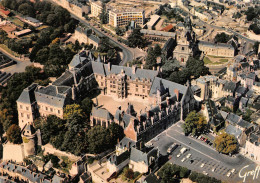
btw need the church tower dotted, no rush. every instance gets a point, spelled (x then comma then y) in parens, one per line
(29, 140)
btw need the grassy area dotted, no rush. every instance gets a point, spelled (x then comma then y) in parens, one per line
(223, 60)
(42, 27)
(67, 162)
(9, 50)
(16, 21)
(207, 60)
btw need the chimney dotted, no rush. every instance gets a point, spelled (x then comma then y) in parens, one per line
(160, 106)
(142, 67)
(176, 91)
(118, 140)
(109, 66)
(127, 64)
(158, 68)
(168, 101)
(153, 68)
(141, 145)
(134, 69)
(129, 144)
(148, 114)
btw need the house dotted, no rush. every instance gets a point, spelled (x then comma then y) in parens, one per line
(252, 147)
(243, 103)
(216, 123)
(32, 21)
(230, 102)
(238, 134)
(144, 160)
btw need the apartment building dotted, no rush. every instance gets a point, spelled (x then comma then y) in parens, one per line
(121, 17)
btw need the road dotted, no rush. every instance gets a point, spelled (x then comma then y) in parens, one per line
(20, 65)
(128, 55)
(202, 153)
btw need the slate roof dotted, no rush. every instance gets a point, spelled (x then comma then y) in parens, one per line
(53, 95)
(232, 130)
(241, 90)
(27, 96)
(127, 118)
(125, 142)
(213, 45)
(117, 160)
(251, 75)
(233, 118)
(101, 113)
(244, 124)
(230, 86)
(77, 60)
(244, 101)
(32, 176)
(32, 19)
(168, 45)
(139, 73)
(168, 85)
(254, 138)
(139, 156)
(216, 120)
(195, 88)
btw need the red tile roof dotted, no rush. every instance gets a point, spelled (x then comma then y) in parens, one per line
(167, 28)
(5, 12)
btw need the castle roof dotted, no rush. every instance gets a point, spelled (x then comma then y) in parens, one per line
(27, 96)
(101, 113)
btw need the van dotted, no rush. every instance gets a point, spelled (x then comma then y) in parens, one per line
(172, 148)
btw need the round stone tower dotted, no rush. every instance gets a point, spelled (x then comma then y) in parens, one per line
(29, 140)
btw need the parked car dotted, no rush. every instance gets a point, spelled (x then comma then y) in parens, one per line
(172, 148)
(202, 165)
(183, 159)
(228, 174)
(213, 169)
(178, 155)
(205, 173)
(233, 170)
(188, 156)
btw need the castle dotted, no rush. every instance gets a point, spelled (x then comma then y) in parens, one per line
(171, 101)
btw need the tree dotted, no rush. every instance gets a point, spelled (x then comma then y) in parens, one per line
(195, 123)
(135, 39)
(226, 144)
(14, 134)
(72, 110)
(150, 60)
(196, 67)
(129, 173)
(98, 139)
(103, 15)
(222, 38)
(116, 133)
(255, 28)
(157, 50)
(86, 106)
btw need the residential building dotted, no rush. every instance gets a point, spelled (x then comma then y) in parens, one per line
(143, 160)
(32, 21)
(153, 21)
(121, 17)
(96, 8)
(158, 36)
(220, 50)
(252, 148)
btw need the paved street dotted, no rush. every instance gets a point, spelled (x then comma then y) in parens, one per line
(202, 153)
(127, 53)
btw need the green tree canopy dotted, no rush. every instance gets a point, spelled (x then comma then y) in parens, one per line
(195, 123)
(226, 144)
(14, 134)
(222, 38)
(72, 110)
(103, 16)
(135, 39)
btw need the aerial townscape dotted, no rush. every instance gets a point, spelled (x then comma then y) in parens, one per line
(137, 91)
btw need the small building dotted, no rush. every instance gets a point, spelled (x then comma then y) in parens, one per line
(252, 147)
(32, 21)
(101, 117)
(23, 32)
(153, 21)
(168, 28)
(143, 160)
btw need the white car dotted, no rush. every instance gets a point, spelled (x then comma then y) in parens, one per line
(188, 156)
(183, 159)
(202, 165)
(178, 155)
(228, 174)
(213, 169)
(205, 173)
(233, 170)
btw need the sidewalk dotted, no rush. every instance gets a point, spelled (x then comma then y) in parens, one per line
(14, 57)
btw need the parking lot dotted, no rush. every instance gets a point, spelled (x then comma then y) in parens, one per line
(203, 157)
